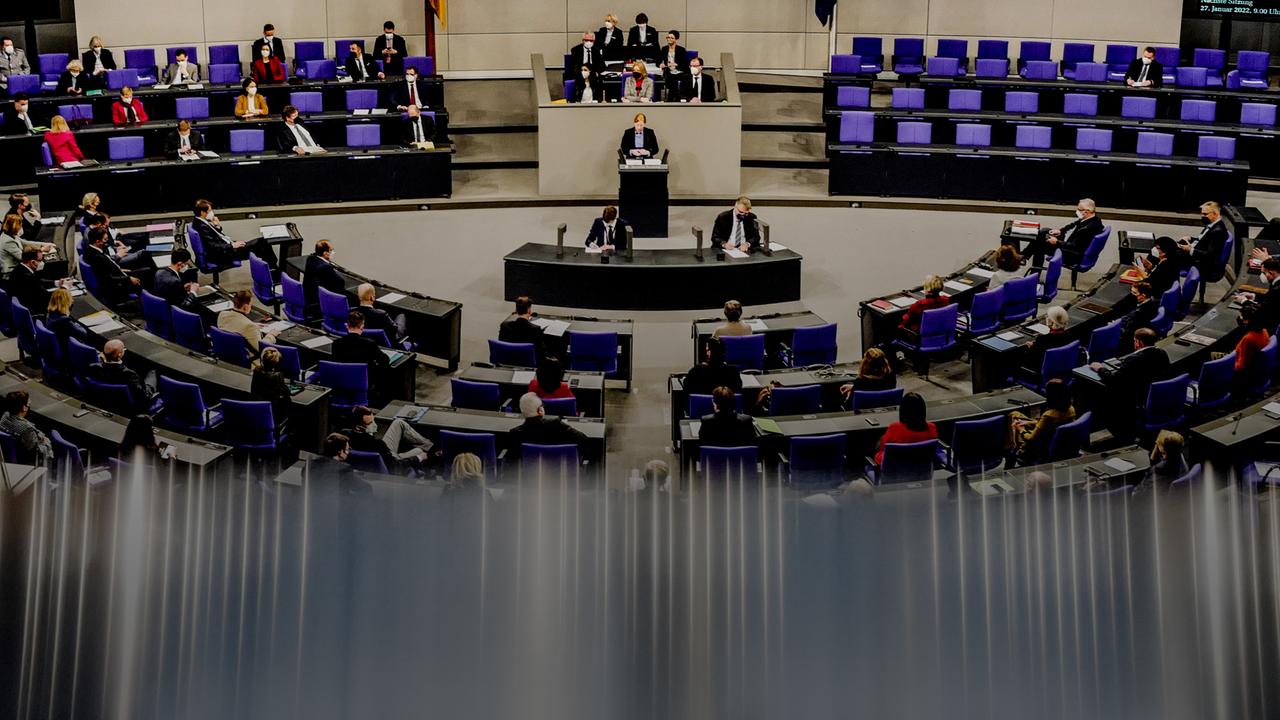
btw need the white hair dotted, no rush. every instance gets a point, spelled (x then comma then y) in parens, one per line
(530, 404)
(1057, 318)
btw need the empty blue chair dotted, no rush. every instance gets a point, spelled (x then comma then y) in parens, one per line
(222, 55)
(363, 99)
(158, 315)
(1033, 137)
(143, 62)
(1212, 61)
(319, 70)
(9, 449)
(907, 462)
(1190, 284)
(984, 312)
(126, 148)
(52, 64)
(1261, 379)
(80, 358)
(1040, 70)
(224, 74)
(1056, 365)
(249, 425)
(369, 462)
(978, 445)
(1170, 299)
(1021, 102)
(1214, 386)
(307, 102)
(701, 405)
(745, 352)
(1019, 299)
(1198, 110)
(295, 299)
(907, 98)
(111, 396)
(857, 127)
(1166, 403)
(1153, 143)
(908, 56)
(518, 354)
(68, 459)
(1117, 58)
(1162, 323)
(264, 285)
(29, 84)
(846, 65)
(191, 108)
(1210, 147)
(1090, 256)
(290, 360)
(973, 135)
(1072, 55)
(247, 140)
(305, 51)
(813, 345)
(1080, 104)
(348, 383)
(364, 135)
(871, 50)
(333, 311)
(229, 347)
(549, 458)
(798, 400)
(1138, 107)
(24, 325)
(483, 445)
(1091, 72)
(188, 330)
(964, 99)
(123, 77)
(77, 112)
(1047, 286)
(426, 65)
(728, 463)
(185, 409)
(937, 332)
(475, 395)
(817, 459)
(1093, 140)
(89, 278)
(1033, 51)
(563, 407)
(957, 50)
(942, 67)
(49, 348)
(1169, 59)
(1191, 77)
(915, 133)
(993, 68)
(853, 96)
(993, 50)
(594, 352)
(869, 399)
(1251, 70)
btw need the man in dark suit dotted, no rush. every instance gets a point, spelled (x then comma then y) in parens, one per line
(642, 40)
(608, 232)
(519, 328)
(640, 141)
(25, 284)
(408, 92)
(417, 129)
(17, 119)
(698, 87)
(1144, 72)
(539, 429)
(1147, 307)
(1269, 304)
(319, 272)
(269, 39)
(1072, 239)
(736, 228)
(1128, 383)
(726, 427)
(361, 67)
(114, 282)
(390, 49)
(20, 205)
(1206, 248)
(292, 137)
(183, 141)
(112, 371)
(172, 283)
(219, 248)
(354, 347)
(375, 318)
(586, 53)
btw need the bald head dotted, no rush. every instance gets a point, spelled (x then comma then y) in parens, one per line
(530, 405)
(366, 293)
(113, 351)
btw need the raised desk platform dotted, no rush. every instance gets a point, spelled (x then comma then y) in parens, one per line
(777, 328)
(651, 280)
(513, 382)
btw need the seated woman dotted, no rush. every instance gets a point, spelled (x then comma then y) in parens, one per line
(250, 104)
(932, 299)
(712, 372)
(267, 69)
(12, 244)
(549, 380)
(1056, 319)
(59, 321)
(1008, 266)
(1249, 349)
(62, 144)
(269, 384)
(639, 87)
(139, 443)
(911, 427)
(1029, 439)
(128, 110)
(1167, 464)
(467, 473)
(874, 373)
(1168, 268)
(587, 87)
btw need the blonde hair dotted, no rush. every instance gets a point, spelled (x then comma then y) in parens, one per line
(744, 201)
(1169, 443)
(59, 124)
(1211, 206)
(60, 301)
(12, 225)
(611, 18)
(270, 356)
(932, 285)
(88, 199)
(639, 118)
(75, 65)
(638, 68)
(467, 470)
(93, 40)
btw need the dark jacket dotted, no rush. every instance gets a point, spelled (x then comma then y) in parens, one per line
(370, 66)
(114, 285)
(599, 235)
(375, 318)
(707, 87)
(1141, 317)
(407, 134)
(1208, 249)
(579, 84)
(543, 430)
(90, 61)
(1132, 378)
(1269, 307)
(650, 37)
(172, 143)
(286, 141)
(703, 379)
(612, 45)
(1154, 73)
(169, 285)
(519, 330)
(217, 246)
(66, 82)
(576, 61)
(364, 442)
(13, 125)
(29, 289)
(271, 385)
(1164, 275)
(400, 94)
(320, 273)
(722, 229)
(727, 429)
(65, 327)
(1042, 344)
(352, 348)
(394, 63)
(629, 142)
(277, 48)
(1076, 236)
(119, 374)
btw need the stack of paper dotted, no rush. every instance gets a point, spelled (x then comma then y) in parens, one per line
(554, 328)
(903, 301)
(522, 377)
(392, 297)
(735, 254)
(316, 342)
(220, 305)
(756, 324)
(277, 327)
(270, 232)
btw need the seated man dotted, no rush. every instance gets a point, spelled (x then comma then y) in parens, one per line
(127, 110)
(733, 325)
(354, 347)
(129, 250)
(181, 72)
(1268, 314)
(1205, 250)
(608, 232)
(31, 447)
(219, 248)
(25, 284)
(173, 283)
(1073, 238)
(375, 318)
(586, 53)
(183, 142)
(538, 429)
(292, 137)
(402, 448)
(1144, 72)
(519, 328)
(419, 131)
(112, 370)
(699, 87)
(20, 205)
(736, 228)
(362, 67)
(17, 119)
(1128, 383)
(1145, 311)
(114, 282)
(408, 92)
(236, 320)
(726, 427)
(319, 272)
(330, 474)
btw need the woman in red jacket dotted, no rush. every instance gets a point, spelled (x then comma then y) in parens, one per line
(126, 110)
(932, 299)
(267, 69)
(62, 144)
(549, 381)
(912, 427)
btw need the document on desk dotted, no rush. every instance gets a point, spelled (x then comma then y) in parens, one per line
(997, 343)
(161, 260)
(735, 254)
(276, 327)
(1140, 235)
(1197, 338)
(1272, 408)
(750, 381)
(594, 250)
(392, 298)
(652, 161)
(957, 286)
(378, 111)
(1119, 464)
(208, 154)
(756, 324)
(777, 247)
(1039, 329)
(981, 272)
(1023, 230)
(360, 111)
(220, 306)
(93, 320)
(634, 161)
(195, 86)
(903, 301)
(272, 232)
(1011, 336)
(554, 328)
(318, 341)
(522, 377)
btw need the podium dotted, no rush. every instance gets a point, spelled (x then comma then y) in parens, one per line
(643, 195)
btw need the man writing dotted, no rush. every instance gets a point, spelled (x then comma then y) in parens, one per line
(1144, 72)
(736, 229)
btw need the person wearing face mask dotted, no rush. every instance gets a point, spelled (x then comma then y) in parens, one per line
(362, 67)
(25, 284)
(62, 144)
(115, 285)
(183, 141)
(268, 40)
(292, 137)
(698, 87)
(181, 71)
(13, 61)
(609, 38)
(640, 141)
(97, 60)
(675, 66)
(12, 244)
(17, 119)
(642, 40)
(235, 319)
(390, 48)
(219, 248)
(250, 104)
(127, 110)
(401, 447)
(20, 205)
(587, 87)
(319, 272)
(1268, 313)
(266, 68)
(1073, 238)
(73, 81)
(586, 53)
(1205, 250)
(419, 130)
(408, 92)
(736, 228)
(1144, 72)
(638, 87)
(174, 283)
(608, 232)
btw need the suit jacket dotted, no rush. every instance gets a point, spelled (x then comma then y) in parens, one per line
(610, 42)
(628, 142)
(580, 84)
(15, 64)
(689, 89)
(428, 129)
(519, 330)
(682, 59)
(1077, 235)
(320, 273)
(237, 322)
(1041, 345)
(242, 104)
(1208, 248)
(1132, 378)
(29, 289)
(632, 93)
(277, 48)
(13, 124)
(119, 374)
(1269, 307)
(120, 113)
(1165, 274)
(217, 246)
(172, 142)
(369, 63)
(394, 64)
(90, 61)
(352, 348)
(269, 73)
(722, 229)
(285, 139)
(576, 62)
(598, 234)
(271, 385)
(375, 318)
(400, 94)
(1154, 72)
(171, 73)
(545, 431)
(114, 284)
(727, 429)
(650, 37)
(63, 147)
(1141, 317)
(66, 82)
(170, 286)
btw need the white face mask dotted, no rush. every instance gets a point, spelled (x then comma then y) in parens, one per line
(642, 27)
(588, 43)
(389, 35)
(97, 49)
(608, 25)
(1079, 214)
(126, 100)
(8, 49)
(252, 91)
(410, 78)
(586, 74)
(266, 53)
(1146, 61)
(372, 428)
(75, 73)
(182, 63)
(695, 70)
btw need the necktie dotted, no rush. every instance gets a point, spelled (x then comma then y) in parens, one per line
(737, 231)
(1142, 76)
(413, 93)
(610, 240)
(417, 129)
(364, 71)
(586, 58)
(697, 87)
(27, 119)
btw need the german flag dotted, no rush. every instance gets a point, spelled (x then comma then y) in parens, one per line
(440, 9)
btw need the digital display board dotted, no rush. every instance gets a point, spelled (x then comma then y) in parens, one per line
(1257, 10)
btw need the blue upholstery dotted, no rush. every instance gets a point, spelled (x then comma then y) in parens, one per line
(129, 147)
(295, 299)
(964, 99)
(222, 55)
(229, 347)
(1072, 55)
(908, 56)
(1214, 386)
(519, 354)
(184, 407)
(333, 311)
(868, 399)
(1047, 288)
(728, 463)
(817, 459)
(483, 445)
(907, 98)
(549, 458)
(249, 425)
(853, 96)
(188, 330)
(224, 74)
(594, 351)
(247, 140)
(984, 312)
(1091, 253)
(1022, 102)
(973, 134)
(871, 50)
(1117, 59)
(191, 108)
(813, 345)
(307, 102)
(364, 135)
(915, 133)
(1080, 104)
(348, 381)
(978, 445)
(1210, 147)
(1154, 143)
(264, 286)
(857, 126)
(563, 407)
(1198, 110)
(1019, 299)
(907, 462)
(475, 395)
(1093, 139)
(1166, 403)
(1138, 107)
(362, 99)
(290, 361)
(1037, 137)
(745, 352)
(798, 400)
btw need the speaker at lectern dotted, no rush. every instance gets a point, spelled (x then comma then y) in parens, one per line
(643, 195)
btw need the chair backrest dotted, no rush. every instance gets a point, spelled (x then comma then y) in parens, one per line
(1070, 440)
(1138, 107)
(564, 407)
(1266, 366)
(867, 399)
(6, 314)
(1190, 284)
(1214, 386)
(1093, 139)
(1040, 70)
(158, 315)
(307, 102)
(817, 458)
(1155, 143)
(364, 135)
(1168, 57)
(475, 395)
(797, 400)
(348, 381)
(129, 147)
(1162, 322)
(973, 135)
(1019, 299)
(1033, 137)
(142, 59)
(903, 98)
(1212, 147)
(1048, 289)
(370, 462)
(249, 424)
(745, 352)
(908, 462)
(67, 462)
(25, 326)
(998, 49)
(979, 445)
(295, 299)
(79, 358)
(122, 77)
(109, 396)
(857, 126)
(379, 336)
(519, 354)
(184, 407)
(1093, 250)
(334, 310)
(229, 347)
(1022, 102)
(1166, 402)
(264, 287)
(984, 312)
(1090, 72)
(964, 99)
(815, 344)
(868, 46)
(938, 328)
(593, 351)
(191, 108)
(846, 64)
(1059, 362)
(362, 99)
(1119, 56)
(1029, 50)
(1261, 114)
(304, 50)
(1253, 64)
(50, 350)
(222, 55)
(728, 463)
(1211, 59)
(224, 73)
(853, 96)
(247, 140)
(46, 154)
(700, 405)
(1213, 273)
(290, 360)
(953, 48)
(549, 458)
(1170, 298)
(938, 67)
(425, 64)
(320, 69)
(1076, 53)
(1198, 110)
(991, 67)
(9, 448)
(1080, 104)
(483, 445)
(188, 330)
(29, 84)
(915, 133)
(908, 48)
(1190, 76)
(52, 64)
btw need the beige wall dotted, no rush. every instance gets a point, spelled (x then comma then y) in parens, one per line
(501, 34)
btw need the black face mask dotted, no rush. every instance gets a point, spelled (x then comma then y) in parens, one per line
(1204, 220)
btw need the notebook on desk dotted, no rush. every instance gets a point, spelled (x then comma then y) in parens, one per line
(1094, 307)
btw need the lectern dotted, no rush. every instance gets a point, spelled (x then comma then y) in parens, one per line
(642, 194)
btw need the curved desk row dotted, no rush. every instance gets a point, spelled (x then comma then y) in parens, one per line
(340, 175)
(651, 280)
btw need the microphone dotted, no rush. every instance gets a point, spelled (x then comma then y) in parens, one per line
(697, 234)
(560, 230)
(1236, 426)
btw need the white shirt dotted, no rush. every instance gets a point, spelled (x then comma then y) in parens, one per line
(611, 233)
(182, 71)
(27, 120)
(302, 136)
(418, 134)
(587, 94)
(184, 141)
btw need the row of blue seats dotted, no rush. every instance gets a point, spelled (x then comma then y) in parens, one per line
(244, 140)
(197, 108)
(1034, 63)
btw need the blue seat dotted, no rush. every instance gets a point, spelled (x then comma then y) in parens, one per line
(185, 409)
(1104, 342)
(973, 135)
(955, 49)
(304, 51)
(1090, 256)
(871, 52)
(520, 354)
(1072, 55)
(1169, 59)
(915, 133)
(978, 445)
(1117, 59)
(1162, 323)
(483, 445)
(229, 347)
(1190, 284)
(745, 352)
(158, 315)
(249, 425)
(51, 65)
(702, 405)
(1212, 61)
(868, 399)
(1166, 403)
(362, 99)
(813, 345)
(1251, 73)
(1188, 481)
(475, 395)
(8, 448)
(333, 311)
(319, 69)
(122, 78)
(902, 98)
(364, 135)
(857, 126)
(798, 400)
(247, 140)
(197, 254)
(1143, 108)
(853, 96)
(307, 102)
(1056, 365)
(68, 459)
(379, 336)
(1047, 286)
(191, 108)
(110, 396)
(80, 358)
(1034, 51)
(1033, 137)
(1093, 140)
(1210, 147)
(1080, 104)
(937, 333)
(264, 284)
(991, 68)
(295, 299)
(1069, 441)
(1091, 72)
(1213, 388)
(129, 147)
(984, 312)
(52, 363)
(548, 458)
(906, 462)
(1040, 70)
(1258, 114)
(370, 462)
(1019, 299)
(290, 360)
(1261, 380)
(188, 331)
(1191, 77)
(1170, 299)
(1021, 102)
(563, 407)
(224, 74)
(349, 383)
(25, 326)
(1198, 110)
(817, 460)
(908, 56)
(942, 67)
(342, 48)
(6, 314)
(728, 463)
(1154, 143)
(222, 55)
(29, 84)
(426, 65)
(594, 352)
